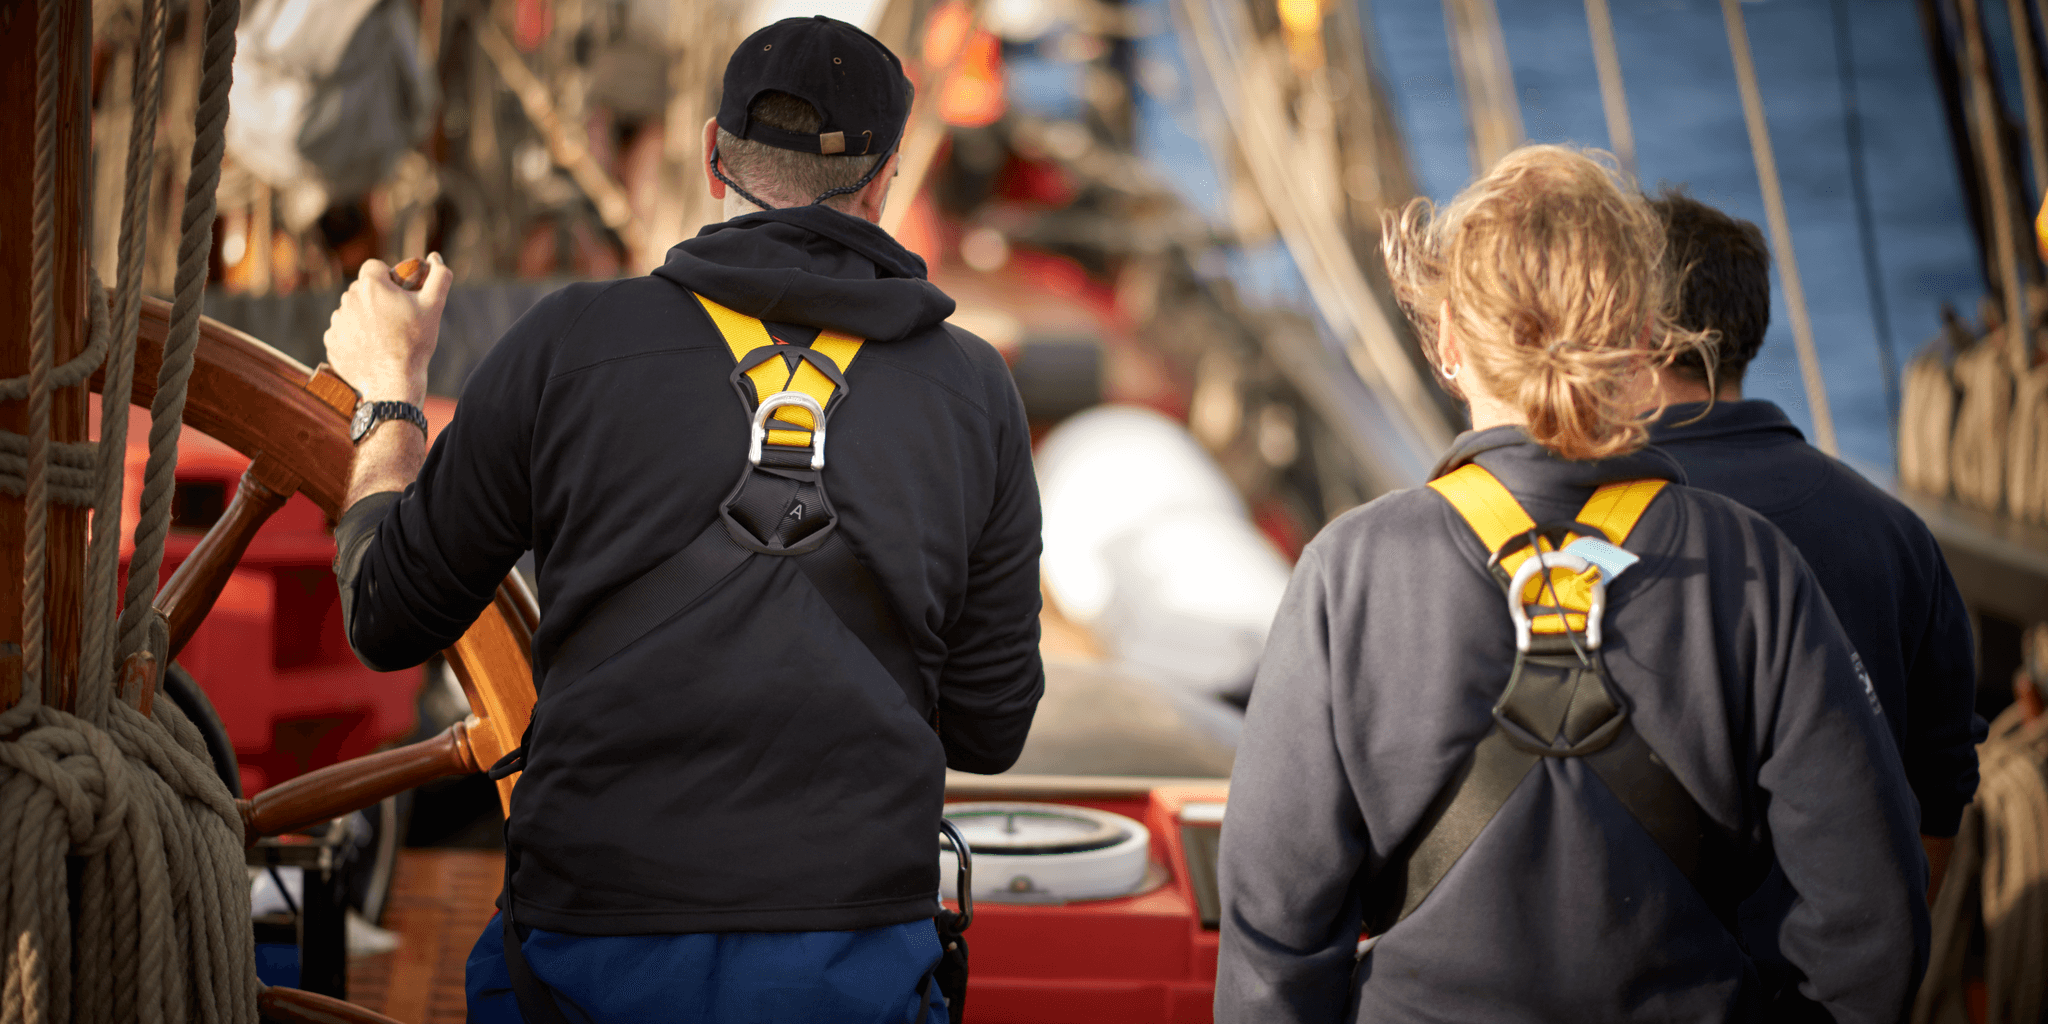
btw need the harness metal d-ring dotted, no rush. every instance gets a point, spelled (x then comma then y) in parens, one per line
(1540, 561)
(777, 401)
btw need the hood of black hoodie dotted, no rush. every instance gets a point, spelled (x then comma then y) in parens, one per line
(811, 265)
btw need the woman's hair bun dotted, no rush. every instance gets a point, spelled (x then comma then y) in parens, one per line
(1552, 270)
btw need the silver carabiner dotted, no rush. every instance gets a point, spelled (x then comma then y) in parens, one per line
(1541, 562)
(777, 401)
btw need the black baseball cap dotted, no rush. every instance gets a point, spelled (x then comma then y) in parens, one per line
(856, 84)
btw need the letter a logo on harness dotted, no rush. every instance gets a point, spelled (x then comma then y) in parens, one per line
(1559, 701)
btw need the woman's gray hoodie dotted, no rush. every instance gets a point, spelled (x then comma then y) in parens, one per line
(1388, 653)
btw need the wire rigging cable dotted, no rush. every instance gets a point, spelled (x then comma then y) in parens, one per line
(1866, 229)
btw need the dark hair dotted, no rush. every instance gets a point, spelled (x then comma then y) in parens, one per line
(787, 176)
(1724, 282)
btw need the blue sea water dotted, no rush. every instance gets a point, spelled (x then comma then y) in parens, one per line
(1687, 118)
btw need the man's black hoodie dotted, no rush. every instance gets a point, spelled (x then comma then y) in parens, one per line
(748, 766)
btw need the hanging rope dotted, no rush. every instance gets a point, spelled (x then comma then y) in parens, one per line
(1983, 375)
(102, 563)
(1866, 229)
(1781, 228)
(1621, 136)
(195, 245)
(42, 336)
(161, 912)
(1927, 415)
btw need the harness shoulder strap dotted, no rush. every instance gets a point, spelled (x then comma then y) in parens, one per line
(745, 335)
(1615, 509)
(1485, 503)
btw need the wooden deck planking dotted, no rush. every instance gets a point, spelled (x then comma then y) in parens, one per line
(440, 901)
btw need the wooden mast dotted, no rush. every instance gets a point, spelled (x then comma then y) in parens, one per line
(67, 526)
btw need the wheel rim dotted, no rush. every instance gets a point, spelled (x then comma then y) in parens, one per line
(269, 407)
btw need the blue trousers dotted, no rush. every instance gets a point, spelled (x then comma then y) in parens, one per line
(872, 975)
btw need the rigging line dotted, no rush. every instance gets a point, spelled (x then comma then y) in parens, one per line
(1486, 80)
(1613, 97)
(1990, 124)
(1781, 229)
(2032, 102)
(1866, 228)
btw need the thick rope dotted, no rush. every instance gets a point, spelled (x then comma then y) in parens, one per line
(1997, 885)
(42, 336)
(72, 472)
(1977, 451)
(103, 557)
(195, 243)
(163, 929)
(1927, 416)
(2026, 471)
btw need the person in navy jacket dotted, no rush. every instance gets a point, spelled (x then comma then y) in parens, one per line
(1876, 561)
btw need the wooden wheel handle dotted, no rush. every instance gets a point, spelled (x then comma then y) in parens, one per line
(411, 274)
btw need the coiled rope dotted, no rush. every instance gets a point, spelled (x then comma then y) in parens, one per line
(1997, 885)
(122, 808)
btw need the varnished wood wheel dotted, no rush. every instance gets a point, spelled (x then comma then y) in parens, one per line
(292, 422)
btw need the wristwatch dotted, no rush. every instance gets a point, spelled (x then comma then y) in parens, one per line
(369, 414)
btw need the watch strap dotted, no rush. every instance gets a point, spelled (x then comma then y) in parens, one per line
(369, 414)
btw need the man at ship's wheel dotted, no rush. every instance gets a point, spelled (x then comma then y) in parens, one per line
(731, 787)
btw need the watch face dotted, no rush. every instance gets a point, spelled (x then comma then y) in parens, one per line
(361, 423)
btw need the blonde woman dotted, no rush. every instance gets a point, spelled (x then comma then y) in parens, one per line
(1551, 812)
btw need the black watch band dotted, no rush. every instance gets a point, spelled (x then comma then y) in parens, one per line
(369, 414)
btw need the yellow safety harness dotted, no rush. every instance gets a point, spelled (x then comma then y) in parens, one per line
(1559, 701)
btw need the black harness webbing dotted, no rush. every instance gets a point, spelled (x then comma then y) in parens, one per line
(778, 509)
(1558, 703)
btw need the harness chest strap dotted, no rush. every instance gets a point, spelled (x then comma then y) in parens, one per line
(1559, 700)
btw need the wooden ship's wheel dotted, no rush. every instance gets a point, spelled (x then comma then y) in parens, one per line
(293, 423)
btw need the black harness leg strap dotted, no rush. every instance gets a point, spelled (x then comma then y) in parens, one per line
(856, 597)
(637, 609)
(1482, 784)
(536, 1001)
(1656, 799)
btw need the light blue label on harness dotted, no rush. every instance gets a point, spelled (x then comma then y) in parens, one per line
(1612, 560)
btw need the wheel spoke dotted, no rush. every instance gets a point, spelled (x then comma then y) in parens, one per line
(185, 600)
(327, 793)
